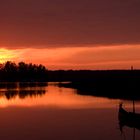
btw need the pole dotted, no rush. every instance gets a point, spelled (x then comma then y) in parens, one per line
(134, 134)
(133, 106)
(133, 96)
(133, 112)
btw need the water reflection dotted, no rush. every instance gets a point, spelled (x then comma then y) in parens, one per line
(50, 112)
(22, 90)
(49, 95)
(13, 85)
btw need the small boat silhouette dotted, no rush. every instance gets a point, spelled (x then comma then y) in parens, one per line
(130, 119)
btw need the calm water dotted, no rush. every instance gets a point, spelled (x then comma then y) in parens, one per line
(39, 112)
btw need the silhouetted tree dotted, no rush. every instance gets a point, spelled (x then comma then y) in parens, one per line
(11, 71)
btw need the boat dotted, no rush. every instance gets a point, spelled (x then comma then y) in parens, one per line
(130, 119)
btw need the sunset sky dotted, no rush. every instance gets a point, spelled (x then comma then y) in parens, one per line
(71, 34)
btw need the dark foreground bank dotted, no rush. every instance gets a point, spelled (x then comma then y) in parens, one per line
(112, 84)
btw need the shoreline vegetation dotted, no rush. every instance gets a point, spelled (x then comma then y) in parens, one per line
(114, 84)
(22, 72)
(121, 84)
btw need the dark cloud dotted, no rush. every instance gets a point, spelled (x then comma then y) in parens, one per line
(65, 22)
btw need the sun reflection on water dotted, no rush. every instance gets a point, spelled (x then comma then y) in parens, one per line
(51, 96)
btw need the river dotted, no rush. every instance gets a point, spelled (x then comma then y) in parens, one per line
(39, 112)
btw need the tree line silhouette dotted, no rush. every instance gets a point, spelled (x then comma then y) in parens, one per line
(109, 83)
(10, 71)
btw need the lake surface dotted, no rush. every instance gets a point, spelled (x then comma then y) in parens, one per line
(46, 111)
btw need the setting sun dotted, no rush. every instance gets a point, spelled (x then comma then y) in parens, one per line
(7, 55)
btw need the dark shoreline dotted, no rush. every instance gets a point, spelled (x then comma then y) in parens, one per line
(113, 91)
(118, 84)
(114, 84)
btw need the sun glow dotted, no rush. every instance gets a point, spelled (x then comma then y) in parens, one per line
(76, 57)
(7, 55)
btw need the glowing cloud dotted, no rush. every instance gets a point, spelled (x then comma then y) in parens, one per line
(85, 57)
(8, 55)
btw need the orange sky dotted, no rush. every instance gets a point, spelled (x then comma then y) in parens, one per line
(71, 34)
(72, 57)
